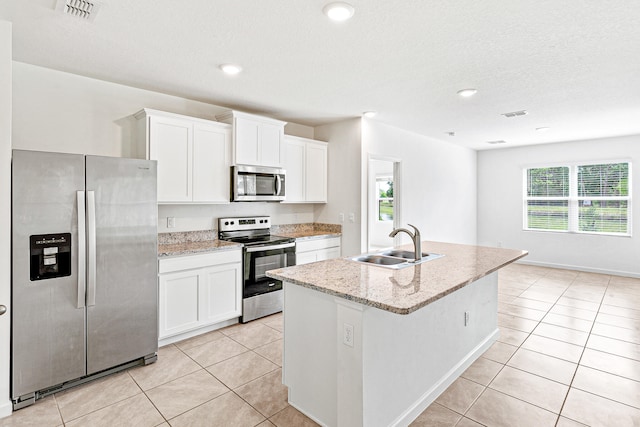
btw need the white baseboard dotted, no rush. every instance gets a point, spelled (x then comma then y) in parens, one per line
(579, 268)
(183, 336)
(432, 394)
(6, 408)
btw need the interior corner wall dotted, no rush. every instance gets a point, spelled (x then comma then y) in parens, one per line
(5, 213)
(438, 182)
(344, 179)
(500, 207)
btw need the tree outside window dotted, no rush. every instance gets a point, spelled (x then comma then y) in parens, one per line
(579, 198)
(384, 191)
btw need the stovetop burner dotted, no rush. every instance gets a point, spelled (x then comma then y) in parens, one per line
(251, 241)
(250, 231)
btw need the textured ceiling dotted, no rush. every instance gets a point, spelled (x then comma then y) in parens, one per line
(574, 65)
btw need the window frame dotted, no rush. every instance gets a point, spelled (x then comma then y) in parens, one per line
(380, 178)
(574, 199)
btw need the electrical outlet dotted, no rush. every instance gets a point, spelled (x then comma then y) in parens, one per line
(341, 216)
(499, 244)
(466, 318)
(347, 337)
(171, 222)
(352, 217)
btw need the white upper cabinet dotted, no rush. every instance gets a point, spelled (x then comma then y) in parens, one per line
(305, 161)
(257, 140)
(193, 156)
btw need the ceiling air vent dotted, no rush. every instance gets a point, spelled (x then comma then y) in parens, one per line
(515, 113)
(500, 141)
(83, 9)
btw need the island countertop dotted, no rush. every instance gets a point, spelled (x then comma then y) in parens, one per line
(405, 290)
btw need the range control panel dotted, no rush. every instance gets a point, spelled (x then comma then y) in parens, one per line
(244, 223)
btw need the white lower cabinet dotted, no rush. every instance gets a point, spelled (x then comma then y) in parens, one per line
(317, 250)
(198, 290)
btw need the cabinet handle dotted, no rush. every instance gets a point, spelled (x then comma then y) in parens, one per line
(3, 310)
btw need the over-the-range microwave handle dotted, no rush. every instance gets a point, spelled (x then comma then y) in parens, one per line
(270, 247)
(91, 248)
(82, 249)
(278, 185)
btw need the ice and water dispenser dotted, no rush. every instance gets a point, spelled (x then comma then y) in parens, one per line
(50, 255)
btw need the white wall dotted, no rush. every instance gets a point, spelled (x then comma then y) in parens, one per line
(438, 182)
(500, 207)
(205, 217)
(5, 212)
(62, 112)
(344, 178)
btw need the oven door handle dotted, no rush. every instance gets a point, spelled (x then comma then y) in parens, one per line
(270, 247)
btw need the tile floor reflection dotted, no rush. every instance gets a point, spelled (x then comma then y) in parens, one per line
(568, 355)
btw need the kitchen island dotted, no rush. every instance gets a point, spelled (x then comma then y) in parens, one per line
(366, 345)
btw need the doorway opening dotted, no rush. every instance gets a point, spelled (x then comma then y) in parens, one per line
(383, 191)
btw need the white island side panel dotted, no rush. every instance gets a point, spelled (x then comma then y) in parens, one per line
(398, 364)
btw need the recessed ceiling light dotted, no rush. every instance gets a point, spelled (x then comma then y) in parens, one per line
(466, 93)
(543, 129)
(231, 69)
(369, 113)
(338, 11)
(499, 141)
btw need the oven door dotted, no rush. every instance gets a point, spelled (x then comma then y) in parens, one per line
(260, 259)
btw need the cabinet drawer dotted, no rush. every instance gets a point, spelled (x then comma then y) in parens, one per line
(315, 244)
(188, 262)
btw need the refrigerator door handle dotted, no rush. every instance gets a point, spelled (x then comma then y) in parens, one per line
(91, 248)
(82, 249)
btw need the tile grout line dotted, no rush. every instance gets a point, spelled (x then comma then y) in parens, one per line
(582, 353)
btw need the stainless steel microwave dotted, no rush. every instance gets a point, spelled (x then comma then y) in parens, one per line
(257, 184)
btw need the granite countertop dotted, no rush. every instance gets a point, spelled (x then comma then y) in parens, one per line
(307, 231)
(197, 242)
(192, 243)
(194, 248)
(406, 290)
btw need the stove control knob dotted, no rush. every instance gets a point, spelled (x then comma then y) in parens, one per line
(232, 222)
(226, 223)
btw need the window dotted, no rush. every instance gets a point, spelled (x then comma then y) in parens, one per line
(384, 191)
(580, 198)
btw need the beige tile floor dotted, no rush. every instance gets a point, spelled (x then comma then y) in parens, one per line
(568, 355)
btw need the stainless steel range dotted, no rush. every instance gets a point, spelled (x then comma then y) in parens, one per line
(262, 252)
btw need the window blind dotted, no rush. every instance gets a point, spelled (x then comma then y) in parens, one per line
(582, 198)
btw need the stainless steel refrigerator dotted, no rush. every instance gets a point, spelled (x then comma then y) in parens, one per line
(84, 277)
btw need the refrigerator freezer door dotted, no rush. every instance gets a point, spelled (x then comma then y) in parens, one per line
(48, 328)
(123, 324)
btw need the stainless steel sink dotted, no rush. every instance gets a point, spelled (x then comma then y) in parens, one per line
(393, 258)
(402, 254)
(379, 260)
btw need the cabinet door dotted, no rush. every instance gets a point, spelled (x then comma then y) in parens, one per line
(178, 298)
(246, 141)
(328, 253)
(294, 165)
(270, 146)
(306, 257)
(221, 294)
(171, 144)
(316, 173)
(211, 165)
